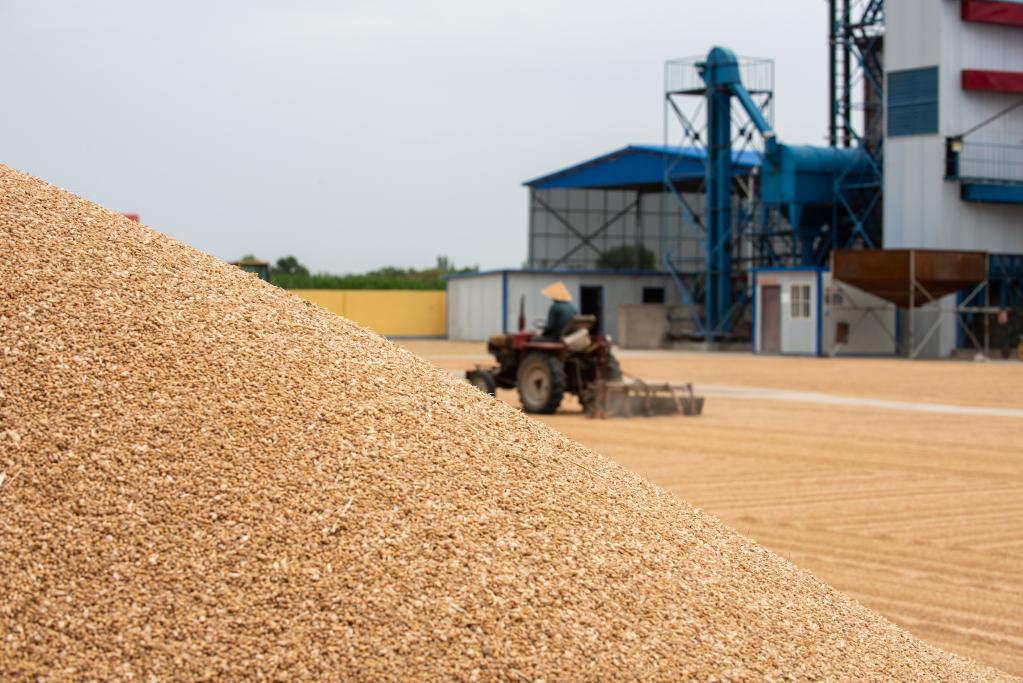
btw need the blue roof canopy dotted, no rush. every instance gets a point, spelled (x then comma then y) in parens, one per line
(639, 167)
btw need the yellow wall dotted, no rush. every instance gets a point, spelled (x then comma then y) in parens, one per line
(390, 312)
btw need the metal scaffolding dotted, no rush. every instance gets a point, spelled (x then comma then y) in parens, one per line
(856, 105)
(734, 230)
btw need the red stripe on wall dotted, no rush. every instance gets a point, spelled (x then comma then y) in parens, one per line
(992, 12)
(994, 81)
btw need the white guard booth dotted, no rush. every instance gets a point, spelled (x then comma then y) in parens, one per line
(800, 311)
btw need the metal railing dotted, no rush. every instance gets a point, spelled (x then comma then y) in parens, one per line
(683, 75)
(990, 161)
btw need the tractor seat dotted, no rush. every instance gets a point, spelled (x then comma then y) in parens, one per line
(579, 322)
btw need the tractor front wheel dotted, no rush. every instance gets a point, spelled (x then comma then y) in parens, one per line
(482, 380)
(541, 383)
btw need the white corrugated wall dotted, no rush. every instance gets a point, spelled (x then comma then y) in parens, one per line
(474, 306)
(921, 208)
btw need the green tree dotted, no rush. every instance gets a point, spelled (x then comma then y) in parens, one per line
(627, 257)
(289, 265)
(290, 274)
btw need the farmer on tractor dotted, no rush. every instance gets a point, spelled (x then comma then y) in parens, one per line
(561, 312)
(567, 358)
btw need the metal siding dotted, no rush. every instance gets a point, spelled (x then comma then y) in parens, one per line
(911, 33)
(965, 225)
(474, 307)
(943, 341)
(921, 209)
(869, 334)
(978, 46)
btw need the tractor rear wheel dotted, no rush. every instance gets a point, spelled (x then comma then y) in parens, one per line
(541, 382)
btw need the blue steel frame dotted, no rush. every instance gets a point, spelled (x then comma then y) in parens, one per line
(715, 286)
(857, 36)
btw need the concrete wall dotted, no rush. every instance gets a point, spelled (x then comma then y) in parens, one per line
(642, 326)
(390, 312)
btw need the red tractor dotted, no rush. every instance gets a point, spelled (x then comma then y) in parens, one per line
(543, 370)
(579, 363)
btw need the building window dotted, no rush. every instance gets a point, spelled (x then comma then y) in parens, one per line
(653, 295)
(912, 97)
(800, 301)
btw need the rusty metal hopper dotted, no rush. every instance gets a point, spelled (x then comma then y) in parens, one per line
(909, 277)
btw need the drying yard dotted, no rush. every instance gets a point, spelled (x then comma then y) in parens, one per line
(914, 510)
(203, 477)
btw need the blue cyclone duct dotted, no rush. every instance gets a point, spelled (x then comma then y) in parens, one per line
(797, 180)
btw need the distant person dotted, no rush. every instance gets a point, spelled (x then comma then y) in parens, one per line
(1004, 330)
(561, 311)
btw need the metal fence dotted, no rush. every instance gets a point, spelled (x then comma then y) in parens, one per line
(991, 161)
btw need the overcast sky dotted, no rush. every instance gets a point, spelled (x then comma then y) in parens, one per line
(361, 134)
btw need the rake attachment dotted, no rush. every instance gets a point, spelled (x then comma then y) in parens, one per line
(636, 398)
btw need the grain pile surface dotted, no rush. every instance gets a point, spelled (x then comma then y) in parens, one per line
(203, 477)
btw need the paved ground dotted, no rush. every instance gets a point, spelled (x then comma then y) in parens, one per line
(900, 483)
(762, 394)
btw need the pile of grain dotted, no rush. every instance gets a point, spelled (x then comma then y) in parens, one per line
(205, 477)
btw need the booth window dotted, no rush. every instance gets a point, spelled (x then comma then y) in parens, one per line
(800, 301)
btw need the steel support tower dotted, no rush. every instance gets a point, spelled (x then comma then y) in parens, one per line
(701, 112)
(856, 106)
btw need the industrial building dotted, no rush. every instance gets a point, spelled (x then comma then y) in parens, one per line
(925, 157)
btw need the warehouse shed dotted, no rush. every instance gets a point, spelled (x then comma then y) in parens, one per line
(647, 197)
(482, 304)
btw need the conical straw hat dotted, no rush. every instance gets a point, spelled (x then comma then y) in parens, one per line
(557, 291)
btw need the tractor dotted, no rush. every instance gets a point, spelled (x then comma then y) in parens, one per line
(544, 370)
